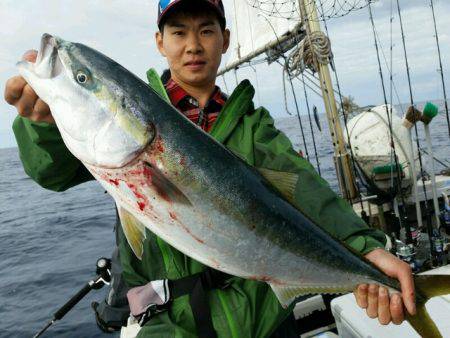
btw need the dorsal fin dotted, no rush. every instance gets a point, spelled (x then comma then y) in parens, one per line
(284, 182)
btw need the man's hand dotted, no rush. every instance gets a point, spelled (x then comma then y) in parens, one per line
(19, 94)
(376, 300)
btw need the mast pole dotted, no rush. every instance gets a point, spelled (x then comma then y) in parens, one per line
(347, 183)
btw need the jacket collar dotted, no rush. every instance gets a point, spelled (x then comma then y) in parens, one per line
(237, 105)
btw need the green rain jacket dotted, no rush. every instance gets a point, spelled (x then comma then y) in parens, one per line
(246, 308)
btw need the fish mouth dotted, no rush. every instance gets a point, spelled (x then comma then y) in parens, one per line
(48, 63)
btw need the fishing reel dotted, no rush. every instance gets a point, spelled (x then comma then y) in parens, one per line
(445, 215)
(103, 271)
(407, 253)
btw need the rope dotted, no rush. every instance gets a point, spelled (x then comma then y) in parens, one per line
(317, 46)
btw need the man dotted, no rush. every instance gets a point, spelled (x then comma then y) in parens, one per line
(192, 37)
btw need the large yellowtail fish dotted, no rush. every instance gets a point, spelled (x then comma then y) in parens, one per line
(167, 175)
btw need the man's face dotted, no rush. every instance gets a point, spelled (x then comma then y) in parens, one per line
(193, 47)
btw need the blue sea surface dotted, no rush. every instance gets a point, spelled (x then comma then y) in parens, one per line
(51, 241)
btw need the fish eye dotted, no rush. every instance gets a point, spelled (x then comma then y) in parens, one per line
(82, 77)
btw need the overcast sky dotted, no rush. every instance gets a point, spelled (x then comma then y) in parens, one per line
(124, 30)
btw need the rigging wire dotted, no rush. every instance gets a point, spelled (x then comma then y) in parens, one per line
(225, 83)
(283, 81)
(293, 93)
(251, 66)
(399, 175)
(427, 212)
(441, 70)
(236, 77)
(391, 80)
(391, 73)
(257, 85)
(299, 118)
(311, 126)
(391, 54)
(352, 156)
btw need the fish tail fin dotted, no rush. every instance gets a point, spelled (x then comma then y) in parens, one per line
(427, 286)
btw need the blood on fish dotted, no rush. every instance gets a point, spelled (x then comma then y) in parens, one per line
(114, 181)
(135, 191)
(159, 145)
(141, 205)
(267, 279)
(173, 216)
(190, 233)
(148, 174)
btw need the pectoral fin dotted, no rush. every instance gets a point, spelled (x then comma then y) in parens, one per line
(134, 231)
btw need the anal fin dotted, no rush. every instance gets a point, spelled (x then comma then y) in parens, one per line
(134, 231)
(286, 294)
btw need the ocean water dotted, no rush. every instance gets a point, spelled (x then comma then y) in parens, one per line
(50, 241)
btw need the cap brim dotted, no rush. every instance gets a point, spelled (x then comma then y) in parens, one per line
(171, 7)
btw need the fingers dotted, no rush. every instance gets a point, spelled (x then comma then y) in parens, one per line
(405, 278)
(14, 88)
(384, 313)
(30, 55)
(26, 102)
(372, 301)
(41, 112)
(361, 295)
(396, 308)
(19, 94)
(378, 303)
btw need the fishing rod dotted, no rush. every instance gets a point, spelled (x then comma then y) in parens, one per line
(441, 162)
(103, 271)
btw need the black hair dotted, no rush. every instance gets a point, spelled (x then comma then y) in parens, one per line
(165, 76)
(192, 9)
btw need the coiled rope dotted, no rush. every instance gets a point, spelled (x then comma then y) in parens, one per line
(317, 47)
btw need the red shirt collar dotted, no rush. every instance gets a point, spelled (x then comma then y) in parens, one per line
(177, 94)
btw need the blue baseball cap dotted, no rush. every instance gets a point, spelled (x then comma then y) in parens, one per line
(166, 6)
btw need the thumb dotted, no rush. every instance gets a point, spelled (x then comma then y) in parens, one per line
(30, 55)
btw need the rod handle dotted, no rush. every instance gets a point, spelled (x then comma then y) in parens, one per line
(73, 301)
